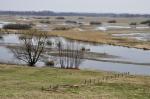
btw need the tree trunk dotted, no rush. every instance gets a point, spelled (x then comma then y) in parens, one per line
(32, 64)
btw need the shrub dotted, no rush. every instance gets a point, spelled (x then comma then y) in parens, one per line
(1, 37)
(83, 49)
(133, 23)
(146, 22)
(71, 22)
(22, 37)
(80, 18)
(95, 23)
(31, 48)
(61, 18)
(50, 63)
(61, 28)
(45, 22)
(17, 26)
(41, 17)
(49, 43)
(112, 21)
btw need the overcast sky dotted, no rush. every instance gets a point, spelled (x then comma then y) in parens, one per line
(100, 6)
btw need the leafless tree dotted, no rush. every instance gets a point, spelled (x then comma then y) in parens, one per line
(70, 55)
(31, 48)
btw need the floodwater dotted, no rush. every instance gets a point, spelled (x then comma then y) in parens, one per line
(107, 27)
(111, 27)
(138, 36)
(126, 54)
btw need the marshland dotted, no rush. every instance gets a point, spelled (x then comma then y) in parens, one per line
(69, 55)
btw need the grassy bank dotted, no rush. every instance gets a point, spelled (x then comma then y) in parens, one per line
(21, 82)
(102, 37)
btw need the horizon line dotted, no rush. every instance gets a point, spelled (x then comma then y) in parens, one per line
(76, 12)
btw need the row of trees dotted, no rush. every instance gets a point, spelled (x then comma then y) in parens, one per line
(70, 55)
(147, 22)
(17, 26)
(143, 22)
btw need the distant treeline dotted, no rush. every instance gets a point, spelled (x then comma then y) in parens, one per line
(51, 13)
(17, 26)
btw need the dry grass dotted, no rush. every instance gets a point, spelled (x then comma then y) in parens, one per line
(97, 37)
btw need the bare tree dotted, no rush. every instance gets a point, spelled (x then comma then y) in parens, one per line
(70, 55)
(31, 48)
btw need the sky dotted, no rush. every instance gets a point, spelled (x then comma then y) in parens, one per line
(95, 6)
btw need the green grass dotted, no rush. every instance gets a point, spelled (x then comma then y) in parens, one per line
(18, 82)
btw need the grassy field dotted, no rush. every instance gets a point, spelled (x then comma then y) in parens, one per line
(22, 82)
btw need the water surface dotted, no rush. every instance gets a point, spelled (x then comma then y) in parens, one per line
(128, 54)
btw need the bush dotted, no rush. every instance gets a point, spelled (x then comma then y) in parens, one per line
(61, 18)
(83, 49)
(22, 37)
(45, 22)
(50, 63)
(112, 21)
(146, 22)
(71, 22)
(41, 17)
(49, 43)
(1, 37)
(61, 28)
(80, 18)
(17, 26)
(133, 23)
(95, 23)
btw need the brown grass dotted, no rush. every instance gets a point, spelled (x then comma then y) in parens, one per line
(101, 37)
